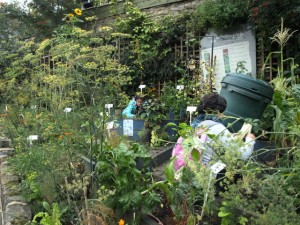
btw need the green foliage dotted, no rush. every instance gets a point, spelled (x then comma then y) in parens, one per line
(154, 112)
(286, 94)
(51, 217)
(118, 173)
(73, 69)
(266, 16)
(220, 15)
(262, 201)
(172, 98)
(149, 54)
(45, 16)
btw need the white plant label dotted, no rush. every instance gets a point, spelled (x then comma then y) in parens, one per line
(33, 137)
(108, 106)
(217, 167)
(180, 87)
(67, 110)
(142, 86)
(191, 109)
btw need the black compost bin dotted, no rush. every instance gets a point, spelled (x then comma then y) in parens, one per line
(246, 97)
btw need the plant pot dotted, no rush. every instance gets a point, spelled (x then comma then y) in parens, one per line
(264, 151)
(149, 219)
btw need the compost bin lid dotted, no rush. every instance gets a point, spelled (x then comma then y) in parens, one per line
(248, 82)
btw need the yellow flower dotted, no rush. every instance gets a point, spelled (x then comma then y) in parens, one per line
(122, 222)
(78, 12)
(69, 17)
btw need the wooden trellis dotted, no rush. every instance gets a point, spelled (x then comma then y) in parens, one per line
(261, 54)
(188, 48)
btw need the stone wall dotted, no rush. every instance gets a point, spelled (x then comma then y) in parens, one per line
(13, 206)
(174, 8)
(153, 8)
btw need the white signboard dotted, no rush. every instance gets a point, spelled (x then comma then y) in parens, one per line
(230, 50)
(128, 127)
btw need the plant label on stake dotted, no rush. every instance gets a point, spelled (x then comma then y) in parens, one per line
(67, 110)
(180, 87)
(109, 106)
(142, 86)
(34, 107)
(32, 138)
(191, 109)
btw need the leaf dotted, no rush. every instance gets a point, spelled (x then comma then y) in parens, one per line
(277, 99)
(195, 155)
(47, 207)
(211, 136)
(170, 172)
(297, 117)
(222, 213)
(242, 220)
(170, 124)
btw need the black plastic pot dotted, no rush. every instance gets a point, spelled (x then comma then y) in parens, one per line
(264, 151)
(149, 219)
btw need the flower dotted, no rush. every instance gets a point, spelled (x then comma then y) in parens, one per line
(69, 17)
(283, 35)
(78, 12)
(122, 222)
(105, 28)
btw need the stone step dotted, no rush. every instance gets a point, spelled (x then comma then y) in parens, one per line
(7, 151)
(5, 143)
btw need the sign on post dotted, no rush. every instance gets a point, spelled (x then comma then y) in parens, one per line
(32, 138)
(109, 106)
(180, 87)
(67, 110)
(142, 86)
(191, 109)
